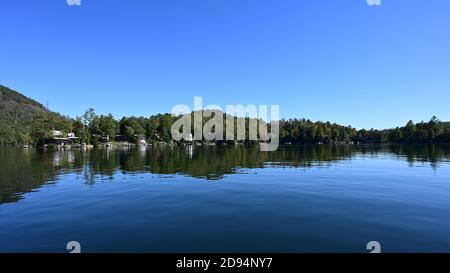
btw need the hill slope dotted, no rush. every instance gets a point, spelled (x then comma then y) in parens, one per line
(16, 115)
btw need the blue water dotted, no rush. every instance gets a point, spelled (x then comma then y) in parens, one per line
(226, 200)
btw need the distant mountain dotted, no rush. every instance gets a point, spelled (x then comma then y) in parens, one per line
(16, 115)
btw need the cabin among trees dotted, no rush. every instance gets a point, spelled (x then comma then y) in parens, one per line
(61, 139)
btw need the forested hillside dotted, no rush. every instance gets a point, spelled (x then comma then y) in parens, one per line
(17, 113)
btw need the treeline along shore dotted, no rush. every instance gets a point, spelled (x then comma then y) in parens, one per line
(95, 129)
(25, 122)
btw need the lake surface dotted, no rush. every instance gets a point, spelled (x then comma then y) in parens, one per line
(226, 199)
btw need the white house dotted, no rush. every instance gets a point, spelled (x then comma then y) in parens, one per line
(57, 133)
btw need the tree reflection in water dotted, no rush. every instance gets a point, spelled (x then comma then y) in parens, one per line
(27, 170)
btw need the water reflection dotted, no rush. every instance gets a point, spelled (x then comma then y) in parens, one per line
(26, 170)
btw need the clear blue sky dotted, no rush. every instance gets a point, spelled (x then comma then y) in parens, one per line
(342, 61)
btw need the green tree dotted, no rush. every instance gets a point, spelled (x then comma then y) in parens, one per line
(108, 126)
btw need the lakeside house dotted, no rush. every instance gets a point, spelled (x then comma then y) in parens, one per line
(142, 142)
(62, 140)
